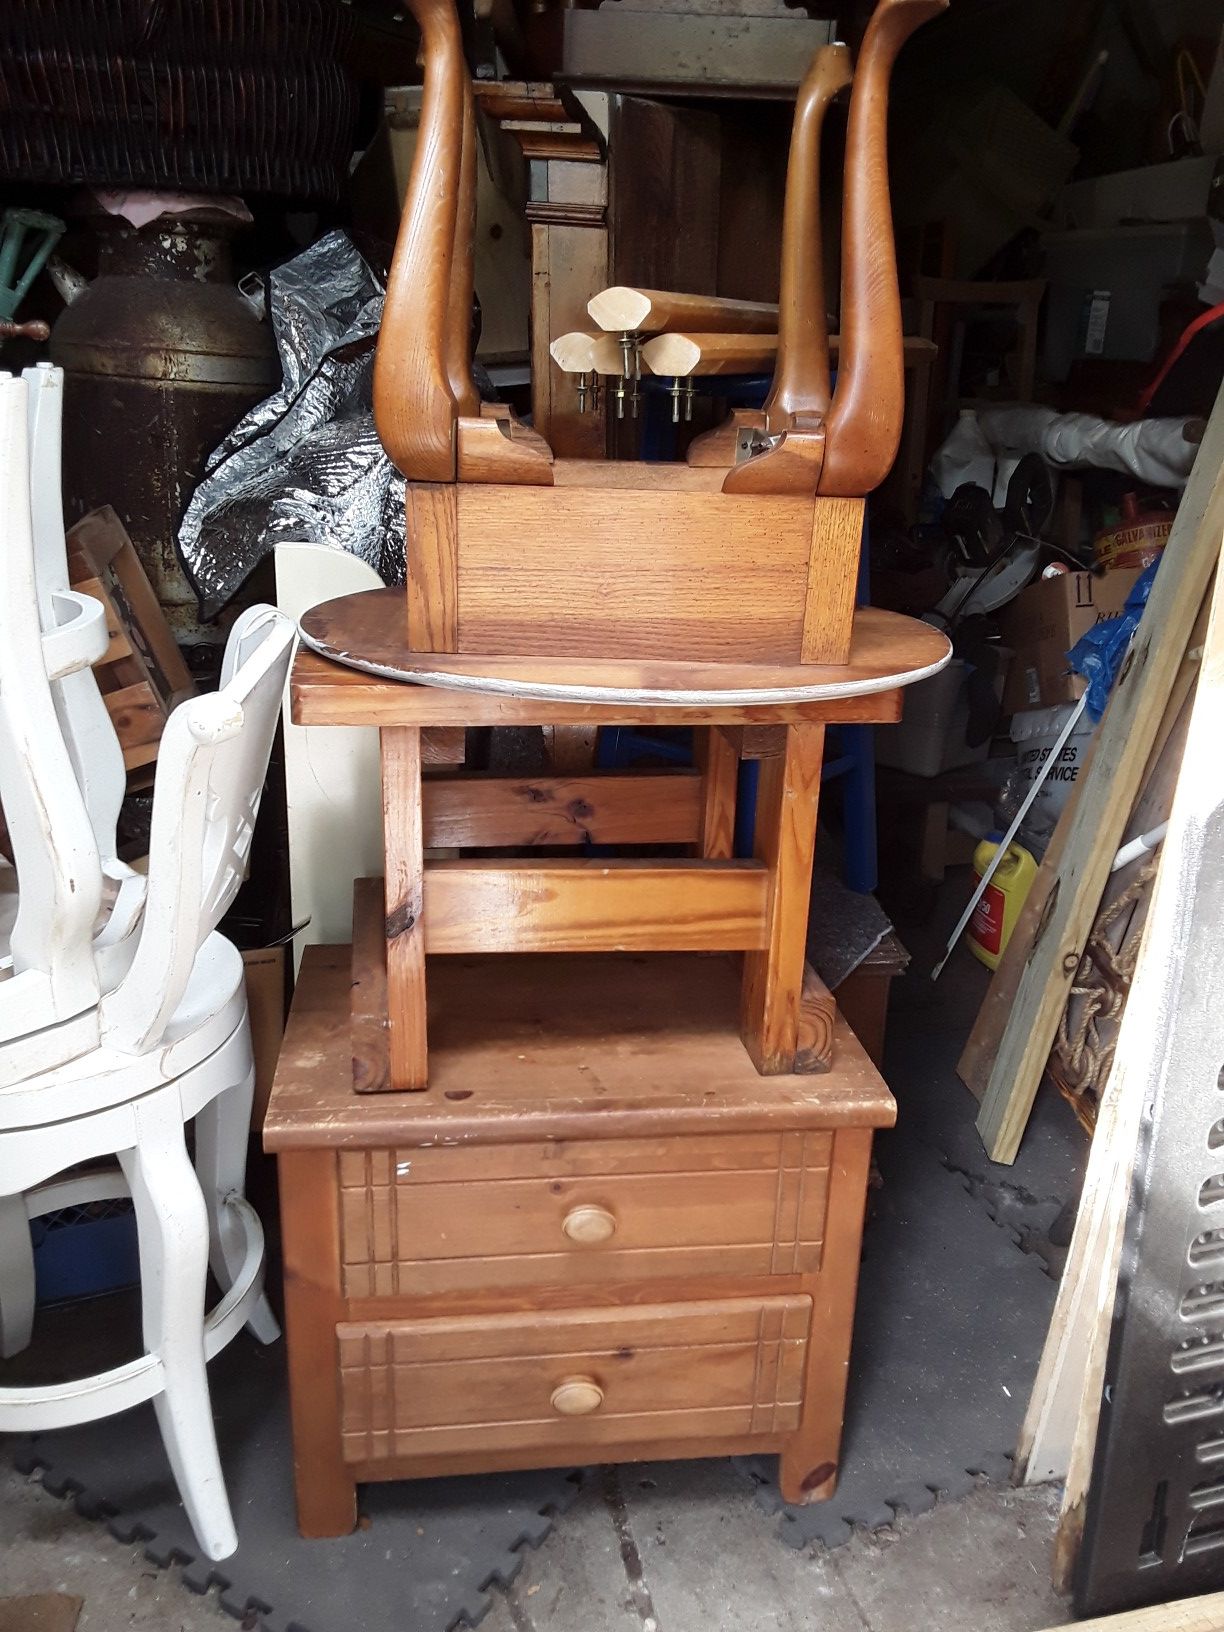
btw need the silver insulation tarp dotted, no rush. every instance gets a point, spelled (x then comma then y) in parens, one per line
(306, 464)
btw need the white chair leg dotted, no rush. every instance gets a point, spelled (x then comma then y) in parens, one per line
(16, 1277)
(172, 1223)
(222, 1132)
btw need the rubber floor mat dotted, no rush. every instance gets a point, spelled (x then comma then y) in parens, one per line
(421, 1560)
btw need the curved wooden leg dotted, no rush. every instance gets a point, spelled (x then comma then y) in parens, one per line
(16, 1277)
(172, 1223)
(222, 1132)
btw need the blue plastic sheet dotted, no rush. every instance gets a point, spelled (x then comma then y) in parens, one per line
(1098, 654)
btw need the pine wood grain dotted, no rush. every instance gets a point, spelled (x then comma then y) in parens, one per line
(419, 1224)
(814, 1042)
(631, 807)
(403, 903)
(447, 1385)
(325, 1491)
(717, 755)
(593, 906)
(511, 1058)
(368, 1004)
(788, 795)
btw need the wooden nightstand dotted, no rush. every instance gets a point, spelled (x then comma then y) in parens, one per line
(597, 1235)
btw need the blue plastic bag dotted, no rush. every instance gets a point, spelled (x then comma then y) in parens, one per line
(1098, 654)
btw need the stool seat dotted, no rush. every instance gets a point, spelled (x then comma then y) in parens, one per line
(368, 632)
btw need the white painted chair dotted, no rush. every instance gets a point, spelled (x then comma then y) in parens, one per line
(170, 1040)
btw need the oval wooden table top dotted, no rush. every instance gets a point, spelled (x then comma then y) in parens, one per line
(366, 632)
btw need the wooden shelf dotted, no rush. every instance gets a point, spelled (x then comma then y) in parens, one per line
(556, 1047)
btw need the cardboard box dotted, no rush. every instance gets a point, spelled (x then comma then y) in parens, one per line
(1043, 623)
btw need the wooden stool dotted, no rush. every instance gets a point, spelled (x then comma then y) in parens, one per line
(705, 902)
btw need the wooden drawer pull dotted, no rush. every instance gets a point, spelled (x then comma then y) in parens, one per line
(577, 1397)
(589, 1225)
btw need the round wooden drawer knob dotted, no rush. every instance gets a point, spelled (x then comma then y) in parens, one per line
(588, 1225)
(577, 1397)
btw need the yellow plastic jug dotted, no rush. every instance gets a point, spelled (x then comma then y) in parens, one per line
(995, 915)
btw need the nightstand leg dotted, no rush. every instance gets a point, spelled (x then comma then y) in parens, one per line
(788, 796)
(403, 848)
(808, 1468)
(325, 1492)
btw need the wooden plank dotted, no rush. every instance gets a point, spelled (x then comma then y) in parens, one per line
(310, 1229)
(405, 860)
(1124, 743)
(325, 693)
(1205, 1614)
(511, 1060)
(982, 1045)
(788, 795)
(543, 571)
(1141, 1058)
(717, 752)
(368, 1004)
(832, 580)
(1044, 1449)
(594, 906)
(632, 807)
(432, 531)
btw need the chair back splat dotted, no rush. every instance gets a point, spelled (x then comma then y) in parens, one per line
(748, 552)
(210, 773)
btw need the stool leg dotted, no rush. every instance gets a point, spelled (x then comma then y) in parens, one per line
(716, 749)
(788, 797)
(172, 1225)
(403, 843)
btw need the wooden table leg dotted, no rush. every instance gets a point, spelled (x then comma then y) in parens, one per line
(808, 1467)
(716, 750)
(788, 795)
(403, 846)
(325, 1491)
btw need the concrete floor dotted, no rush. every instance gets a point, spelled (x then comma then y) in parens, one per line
(660, 1549)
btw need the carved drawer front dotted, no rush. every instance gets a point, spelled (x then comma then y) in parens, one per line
(417, 1222)
(572, 1378)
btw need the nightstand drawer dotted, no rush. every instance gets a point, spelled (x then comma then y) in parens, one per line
(573, 1379)
(419, 1222)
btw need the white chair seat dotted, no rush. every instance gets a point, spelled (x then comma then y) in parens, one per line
(212, 1007)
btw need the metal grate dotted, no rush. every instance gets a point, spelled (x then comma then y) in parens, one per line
(1154, 1523)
